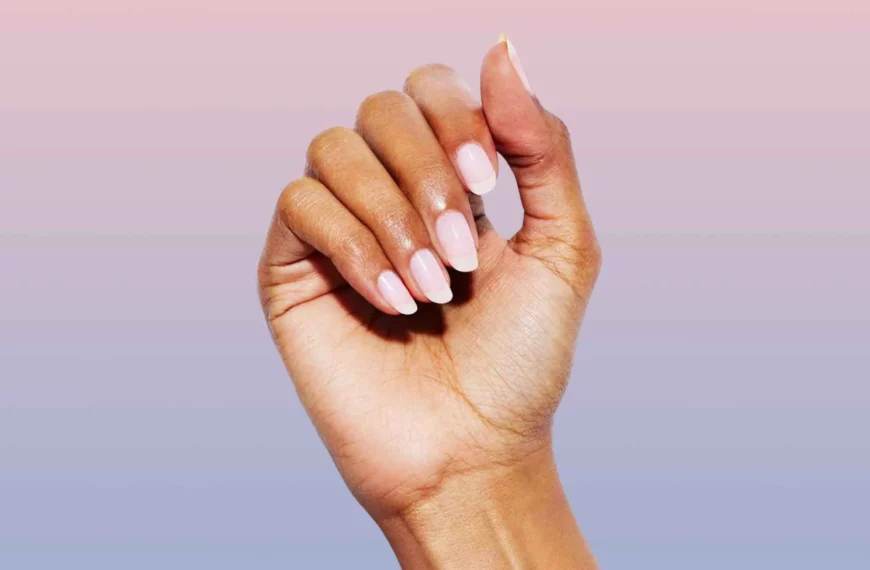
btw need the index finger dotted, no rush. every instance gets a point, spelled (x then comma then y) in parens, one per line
(456, 117)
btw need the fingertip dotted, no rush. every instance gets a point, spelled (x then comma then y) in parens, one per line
(457, 241)
(514, 59)
(431, 276)
(395, 293)
(483, 187)
(502, 64)
(475, 168)
(441, 296)
(464, 263)
(407, 308)
(496, 62)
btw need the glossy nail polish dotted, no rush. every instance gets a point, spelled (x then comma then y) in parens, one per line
(457, 240)
(475, 168)
(395, 293)
(430, 277)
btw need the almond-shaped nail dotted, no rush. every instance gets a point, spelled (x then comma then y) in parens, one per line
(515, 61)
(430, 277)
(475, 168)
(456, 239)
(395, 293)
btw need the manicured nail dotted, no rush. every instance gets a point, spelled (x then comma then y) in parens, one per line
(475, 168)
(427, 271)
(515, 60)
(395, 292)
(456, 239)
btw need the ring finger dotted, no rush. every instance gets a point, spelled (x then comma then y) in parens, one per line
(457, 119)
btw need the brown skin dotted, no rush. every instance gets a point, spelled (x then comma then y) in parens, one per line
(440, 423)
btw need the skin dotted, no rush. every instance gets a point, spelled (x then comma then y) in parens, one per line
(439, 422)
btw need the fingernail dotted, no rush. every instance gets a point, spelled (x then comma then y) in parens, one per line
(395, 292)
(515, 60)
(475, 168)
(456, 239)
(427, 271)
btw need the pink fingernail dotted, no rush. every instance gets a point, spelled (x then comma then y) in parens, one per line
(395, 292)
(430, 277)
(515, 61)
(475, 168)
(456, 239)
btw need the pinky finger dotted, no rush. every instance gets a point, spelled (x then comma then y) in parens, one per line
(316, 217)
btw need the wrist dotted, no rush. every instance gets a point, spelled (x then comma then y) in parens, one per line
(504, 516)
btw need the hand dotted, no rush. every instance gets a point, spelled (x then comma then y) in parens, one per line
(450, 406)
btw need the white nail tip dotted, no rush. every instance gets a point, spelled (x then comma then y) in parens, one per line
(442, 296)
(464, 263)
(481, 188)
(407, 308)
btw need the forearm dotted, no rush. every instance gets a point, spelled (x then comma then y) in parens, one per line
(515, 517)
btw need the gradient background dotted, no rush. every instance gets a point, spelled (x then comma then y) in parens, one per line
(719, 413)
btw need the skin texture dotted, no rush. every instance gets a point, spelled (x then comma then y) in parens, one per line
(439, 422)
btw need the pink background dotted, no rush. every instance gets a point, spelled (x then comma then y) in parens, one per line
(718, 414)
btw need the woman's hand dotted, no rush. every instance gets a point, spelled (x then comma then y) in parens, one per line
(439, 421)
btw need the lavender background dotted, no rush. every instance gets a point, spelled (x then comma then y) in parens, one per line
(718, 414)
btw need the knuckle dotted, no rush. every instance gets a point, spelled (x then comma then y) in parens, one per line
(586, 260)
(433, 175)
(295, 196)
(420, 76)
(401, 225)
(379, 105)
(560, 127)
(560, 131)
(596, 257)
(326, 143)
(591, 260)
(572, 253)
(357, 245)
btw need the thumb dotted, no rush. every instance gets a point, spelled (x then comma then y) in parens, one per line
(536, 145)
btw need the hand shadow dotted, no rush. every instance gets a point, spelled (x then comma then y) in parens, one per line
(428, 320)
